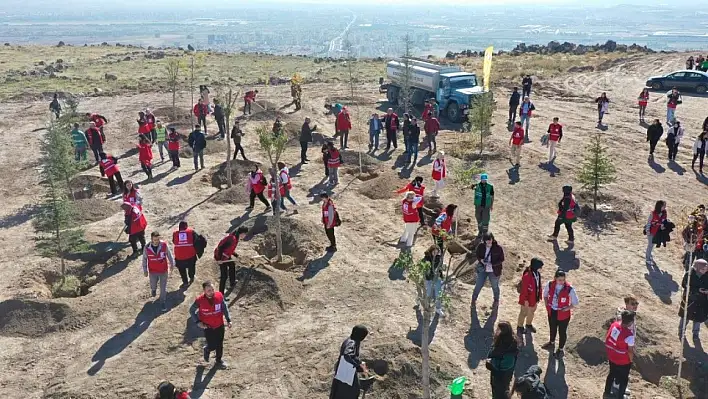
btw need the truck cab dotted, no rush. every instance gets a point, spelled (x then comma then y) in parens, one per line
(455, 93)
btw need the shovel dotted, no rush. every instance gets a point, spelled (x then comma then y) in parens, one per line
(112, 247)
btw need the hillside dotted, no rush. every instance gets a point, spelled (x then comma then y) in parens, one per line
(289, 324)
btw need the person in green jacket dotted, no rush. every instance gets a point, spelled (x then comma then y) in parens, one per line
(161, 139)
(483, 203)
(501, 360)
(80, 143)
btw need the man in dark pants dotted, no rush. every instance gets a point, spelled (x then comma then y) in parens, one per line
(329, 219)
(223, 254)
(201, 111)
(619, 344)
(514, 102)
(220, 118)
(186, 240)
(526, 83)
(567, 208)
(236, 136)
(305, 138)
(209, 311)
(391, 126)
(654, 133)
(95, 140)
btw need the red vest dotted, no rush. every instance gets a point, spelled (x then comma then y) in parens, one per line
(656, 222)
(229, 250)
(271, 191)
(138, 222)
(90, 135)
(570, 213)
(157, 261)
(446, 225)
(132, 198)
(416, 189)
(97, 120)
(563, 299)
(333, 160)
(517, 137)
(410, 211)
(554, 134)
(257, 182)
(617, 349)
(325, 215)
(343, 121)
(184, 244)
(145, 154)
(173, 142)
(289, 184)
(210, 311)
(439, 169)
(643, 99)
(109, 167)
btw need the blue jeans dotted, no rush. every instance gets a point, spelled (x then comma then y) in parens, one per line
(374, 139)
(433, 289)
(199, 155)
(670, 115)
(525, 121)
(481, 278)
(289, 198)
(406, 144)
(413, 151)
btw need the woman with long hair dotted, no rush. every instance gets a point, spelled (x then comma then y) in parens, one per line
(643, 100)
(443, 226)
(501, 360)
(131, 194)
(655, 223)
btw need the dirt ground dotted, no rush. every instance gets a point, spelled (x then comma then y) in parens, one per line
(288, 325)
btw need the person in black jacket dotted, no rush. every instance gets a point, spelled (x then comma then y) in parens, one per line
(197, 141)
(220, 118)
(530, 386)
(345, 384)
(526, 84)
(654, 133)
(697, 298)
(502, 360)
(434, 277)
(236, 136)
(55, 107)
(305, 138)
(514, 102)
(413, 140)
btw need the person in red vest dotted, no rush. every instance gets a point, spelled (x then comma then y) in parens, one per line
(391, 126)
(555, 134)
(655, 223)
(271, 192)
(131, 194)
(145, 155)
(287, 185)
(619, 344)
(201, 111)
(567, 215)
(443, 226)
(431, 127)
(166, 390)
(334, 161)
(144, 128)
(344, 125)
(151, 121)
(439, 173)
(223, 253)
(529, 297)
(248, 99)
(330, 219)
(409, 206)
(560, 298)
(135, 224)
(95, 139)
(99, 120)
(186, 242)
(643, 100)
(255, 185)
(209, 311)
(108, 165)
(419, 189)
(427, 111)
(173, 140)
(156, 258)
(516, 141)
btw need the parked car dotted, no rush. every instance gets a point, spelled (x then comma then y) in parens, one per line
(685, 81)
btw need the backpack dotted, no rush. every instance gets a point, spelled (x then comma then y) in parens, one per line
(200, 243)
(264, 182)
(337, 220)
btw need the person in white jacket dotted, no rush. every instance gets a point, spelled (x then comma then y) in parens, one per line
(439, 173)
(673, 139)
(699, 150)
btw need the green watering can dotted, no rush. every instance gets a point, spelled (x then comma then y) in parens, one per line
(457, 386)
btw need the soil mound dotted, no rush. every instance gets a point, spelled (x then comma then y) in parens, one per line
(31, 319)
(382, 187)
(165, 114)
(231, 196)
(239, 170)
(352, 158)
(213, 147)
(95, 209)
(297, 236)
(87, 186)
(258, 287)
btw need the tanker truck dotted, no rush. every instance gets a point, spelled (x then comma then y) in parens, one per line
(449, 85)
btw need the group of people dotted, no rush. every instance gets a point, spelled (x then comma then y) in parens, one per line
(699, 63)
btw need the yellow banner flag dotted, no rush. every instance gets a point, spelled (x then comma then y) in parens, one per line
(487, 69)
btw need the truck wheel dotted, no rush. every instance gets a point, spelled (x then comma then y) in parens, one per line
(392, 94)
(453, 113)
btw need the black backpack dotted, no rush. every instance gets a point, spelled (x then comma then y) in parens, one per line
(200, 243)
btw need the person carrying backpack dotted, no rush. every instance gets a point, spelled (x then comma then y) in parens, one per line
(567, 215)
(189, 245)
(256, 183)
(530, 386)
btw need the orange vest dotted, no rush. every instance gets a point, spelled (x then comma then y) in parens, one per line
(157, 260)
(184, 244)
(617, 348)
